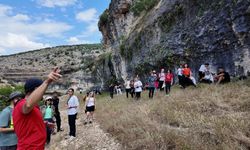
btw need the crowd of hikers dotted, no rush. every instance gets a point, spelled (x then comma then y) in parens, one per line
(158, 81)
(24, 125)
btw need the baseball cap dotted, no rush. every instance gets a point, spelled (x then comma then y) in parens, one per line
(32, 84)
(15, 95)
(48, 98)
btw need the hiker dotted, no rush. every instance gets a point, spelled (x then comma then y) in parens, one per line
(90, 108)
(28, 121)
(132, 88)
(151, 84)
(48, 117)
(208, 76)
(138, 88)
(188, 79)
(111, 90)
(222, 76)
(180, 75)
(127, 87)
(161, 79)
(202, 71)
(55, 101)
(156, 83)
(8, 138)
(72, 105)
(169, 80)
(118, 89)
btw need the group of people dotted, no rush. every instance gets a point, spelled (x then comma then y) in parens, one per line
(164, 80)
(22, 123)
(26, 125)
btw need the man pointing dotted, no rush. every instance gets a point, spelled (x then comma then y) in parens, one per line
(27, 118)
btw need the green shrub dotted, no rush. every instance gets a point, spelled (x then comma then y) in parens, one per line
(143, 5)
(5, 92)
(122, 49)
(170, 18)
(104, 17)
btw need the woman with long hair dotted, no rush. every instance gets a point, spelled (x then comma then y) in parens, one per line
(90, 107)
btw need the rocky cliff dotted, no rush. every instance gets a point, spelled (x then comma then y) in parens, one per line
(78, 64)
(146, 34)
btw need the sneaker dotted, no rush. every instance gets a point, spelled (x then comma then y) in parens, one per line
(71, 138)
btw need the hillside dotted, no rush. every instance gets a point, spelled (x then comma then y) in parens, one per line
(205, 118)
(147, 34)
(77, 62)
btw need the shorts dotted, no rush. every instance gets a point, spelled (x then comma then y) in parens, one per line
(90, 109)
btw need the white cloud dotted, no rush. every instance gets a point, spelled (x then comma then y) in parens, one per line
(18, 43)
(21, 17)
(24, 28)
(76, 40)
(89, 15)
(56, 3)
(4, 9)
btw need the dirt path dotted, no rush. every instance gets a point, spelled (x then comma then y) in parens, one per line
(88, 137)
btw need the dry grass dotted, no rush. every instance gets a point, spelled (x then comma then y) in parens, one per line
(209, 117)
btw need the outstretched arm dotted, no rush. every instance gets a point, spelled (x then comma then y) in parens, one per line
(37, 94)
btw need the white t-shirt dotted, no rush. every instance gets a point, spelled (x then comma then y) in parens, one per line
(162, 76)
(203, 68)
(179, 72)
(209, 76)
(73, 102)
(90, 101)
(127, 84)
(138, 86)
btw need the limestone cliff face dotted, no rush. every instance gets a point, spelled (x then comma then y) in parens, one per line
(170, 32)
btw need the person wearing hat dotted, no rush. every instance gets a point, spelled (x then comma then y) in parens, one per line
(27, 117)
(48, 117)
(8, 139)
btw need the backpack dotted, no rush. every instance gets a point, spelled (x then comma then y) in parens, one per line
(10, 117)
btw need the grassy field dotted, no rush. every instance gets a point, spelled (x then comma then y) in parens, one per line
(206, 118)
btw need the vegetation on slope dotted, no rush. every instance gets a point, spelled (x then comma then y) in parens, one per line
(208, 117)
(142, 5)
(4, 94)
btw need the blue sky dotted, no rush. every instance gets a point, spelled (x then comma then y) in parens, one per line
(34, 24)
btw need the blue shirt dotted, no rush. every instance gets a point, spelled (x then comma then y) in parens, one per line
(151, 81)
(7, 138)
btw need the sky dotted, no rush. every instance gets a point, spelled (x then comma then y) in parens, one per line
(35, 24)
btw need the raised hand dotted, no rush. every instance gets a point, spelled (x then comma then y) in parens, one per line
(54, 75)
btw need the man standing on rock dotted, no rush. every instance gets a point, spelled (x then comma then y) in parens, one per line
(28, 121)
(72, 104)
